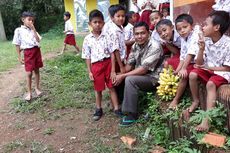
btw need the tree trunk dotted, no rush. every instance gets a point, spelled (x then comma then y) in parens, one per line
(2, 31)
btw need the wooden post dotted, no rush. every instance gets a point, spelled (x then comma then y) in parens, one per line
(2, 30)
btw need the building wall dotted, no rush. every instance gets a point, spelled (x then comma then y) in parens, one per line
(69, 6)
(90, 5)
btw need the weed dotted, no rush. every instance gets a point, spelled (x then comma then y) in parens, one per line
(13, 146)
(48, 131)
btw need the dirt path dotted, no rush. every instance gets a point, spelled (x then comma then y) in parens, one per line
(24, 128)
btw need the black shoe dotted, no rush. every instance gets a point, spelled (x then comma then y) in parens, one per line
(118, 113)
(128, 120)
(98, 114)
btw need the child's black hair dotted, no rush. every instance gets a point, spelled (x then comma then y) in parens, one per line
(220, 18)
(129, 15)
(95, 13)
(164, 22)
(141, 24)
(27, 14)
(111, 9)
(158, 12)
(115, 9)
(67, 14)
(184, 17)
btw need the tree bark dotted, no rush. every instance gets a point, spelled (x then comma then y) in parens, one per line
(2, 30)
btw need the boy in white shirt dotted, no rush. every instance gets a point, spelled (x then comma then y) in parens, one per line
(99, 59)
(27, 39)
(212, 61)
(129, 38)
(69, 31)
(189, 48)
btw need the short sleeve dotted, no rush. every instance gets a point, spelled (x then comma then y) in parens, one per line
(193, 46)
(86, 50)
(113, 38)
(227, 59)
(16, 38)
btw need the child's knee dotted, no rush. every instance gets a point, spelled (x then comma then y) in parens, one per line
(166, 64)
(210, 85)
(193, 76)
(29, 74)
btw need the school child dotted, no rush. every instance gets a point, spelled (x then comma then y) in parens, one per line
(129, 38)
(163, 4)
(116, 36)
(135, 7)
(155, 17)
(107, 26)
(98, 59)
(147, 7)
(189, 48)
(27, 39)
(172, 42)
(165, 12)
(212, 62)
(69, 31)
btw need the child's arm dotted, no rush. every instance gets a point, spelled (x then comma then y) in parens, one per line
(118, 59)
(19, 54)
(183, 72)
(113, 73)
(179, 67)
(221, 68)
(31, 26)
(88, 63)
(172, 48)
(199, 59)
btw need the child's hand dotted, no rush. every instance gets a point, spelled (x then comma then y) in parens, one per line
(21, 60)
(113, 77)
(119, 79)
(91, 76)
(183, 73)
(31, 26)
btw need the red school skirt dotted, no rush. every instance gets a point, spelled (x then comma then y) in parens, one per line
(70, 39)
(32, 59)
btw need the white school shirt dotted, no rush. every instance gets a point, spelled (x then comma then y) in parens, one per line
(25, 38)
(94, 48)
(148, 7)
(176, 39)
(69, 26)
(157, 37)
(189, 45)
(129, 32)
(116, 37)
(107, 26)
(222, 5)
(218, 54)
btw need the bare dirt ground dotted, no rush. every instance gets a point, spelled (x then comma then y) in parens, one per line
(72, 131)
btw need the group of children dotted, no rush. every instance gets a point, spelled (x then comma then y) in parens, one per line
(195, 53)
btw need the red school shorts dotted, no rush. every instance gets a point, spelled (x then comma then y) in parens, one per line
(174, 61)
(206, 75)
(101, 73)
(70, 39)
(32, 59)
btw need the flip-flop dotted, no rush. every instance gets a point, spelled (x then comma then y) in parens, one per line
(127, 122)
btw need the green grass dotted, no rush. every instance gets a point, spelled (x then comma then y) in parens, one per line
(51, 42)
(65, 84)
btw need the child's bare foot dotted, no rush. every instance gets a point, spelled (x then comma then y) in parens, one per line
(203, 126)
(60, 53)
(173, 104)
(38, 92)
(28, 97)
(186, 112)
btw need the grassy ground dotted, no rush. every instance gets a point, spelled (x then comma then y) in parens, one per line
(51, 42)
